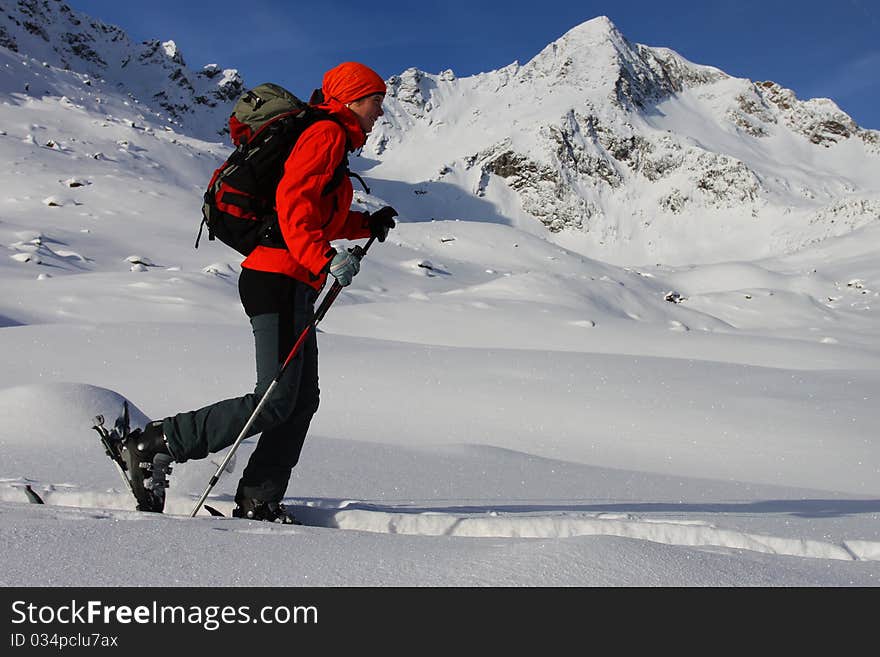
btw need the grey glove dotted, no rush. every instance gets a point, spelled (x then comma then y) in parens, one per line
(344, 266)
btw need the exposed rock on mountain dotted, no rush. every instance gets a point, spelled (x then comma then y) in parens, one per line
(618, 147)
(619, 150)
(153, 72)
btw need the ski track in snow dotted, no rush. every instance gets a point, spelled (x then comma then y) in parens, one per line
(67, 503)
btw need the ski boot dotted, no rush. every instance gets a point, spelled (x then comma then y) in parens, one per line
(148, 463)
(251, 509)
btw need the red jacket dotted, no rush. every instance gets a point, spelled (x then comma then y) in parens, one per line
(308, 219)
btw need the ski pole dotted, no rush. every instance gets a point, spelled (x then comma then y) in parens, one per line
(328, 300)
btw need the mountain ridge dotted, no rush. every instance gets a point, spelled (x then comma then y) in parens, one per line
(617, 150)
(154, 71)
(616, 147)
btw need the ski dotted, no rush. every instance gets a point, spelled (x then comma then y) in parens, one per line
(113, 441)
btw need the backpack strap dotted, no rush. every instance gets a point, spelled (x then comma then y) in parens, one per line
(339, 175)
(360, 180)
(343, 169)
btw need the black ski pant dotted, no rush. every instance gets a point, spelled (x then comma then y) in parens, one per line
(279, 308)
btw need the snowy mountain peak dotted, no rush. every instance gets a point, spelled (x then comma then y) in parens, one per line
(585, 38)
(628, 151)
(618, 150)
(154, 72)
(596, 56)
(587, 55)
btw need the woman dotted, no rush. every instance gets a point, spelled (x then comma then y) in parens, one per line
(278, 287)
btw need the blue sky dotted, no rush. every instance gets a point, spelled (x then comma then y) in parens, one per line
(817, 48)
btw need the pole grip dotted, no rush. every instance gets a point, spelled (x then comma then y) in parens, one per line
(336, 288)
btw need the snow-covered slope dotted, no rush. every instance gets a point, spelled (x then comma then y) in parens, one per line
(496, 408)
(152, 73)
(630, 153)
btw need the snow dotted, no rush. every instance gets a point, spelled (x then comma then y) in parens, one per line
(500, 406)
(628, 154)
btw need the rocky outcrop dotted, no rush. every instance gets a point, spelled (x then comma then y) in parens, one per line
(820, 120)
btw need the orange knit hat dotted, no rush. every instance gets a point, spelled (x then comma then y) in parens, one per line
(351, 81)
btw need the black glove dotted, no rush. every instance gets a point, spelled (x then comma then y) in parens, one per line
(381, 222)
